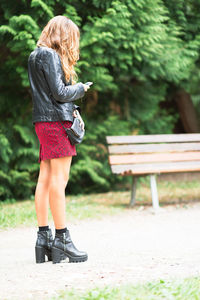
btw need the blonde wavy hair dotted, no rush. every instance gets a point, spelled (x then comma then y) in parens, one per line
(63, 35)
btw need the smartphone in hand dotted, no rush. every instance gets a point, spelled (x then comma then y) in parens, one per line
(89, 83)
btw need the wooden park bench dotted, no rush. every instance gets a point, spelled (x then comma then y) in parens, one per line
(141, 155)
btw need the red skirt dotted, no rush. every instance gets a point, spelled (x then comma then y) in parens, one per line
(53, 140)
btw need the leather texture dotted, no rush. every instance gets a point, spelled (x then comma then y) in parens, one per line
(75, 132)
(63, 242)
(44, 239)
(47, 81)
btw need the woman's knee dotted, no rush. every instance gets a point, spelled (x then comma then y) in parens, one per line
(58, 181)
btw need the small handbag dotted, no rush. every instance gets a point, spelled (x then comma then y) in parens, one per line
(76, 132)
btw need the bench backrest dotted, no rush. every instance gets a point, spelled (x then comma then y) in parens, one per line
(154, 152)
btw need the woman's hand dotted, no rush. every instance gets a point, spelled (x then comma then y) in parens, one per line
(86, 87)
(75, 113)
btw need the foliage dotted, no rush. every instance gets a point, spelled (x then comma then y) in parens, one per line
(91, 169)
(137, 53)
(174, 289)
(18, 161)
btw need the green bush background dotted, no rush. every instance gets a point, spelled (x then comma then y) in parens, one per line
(138, 53)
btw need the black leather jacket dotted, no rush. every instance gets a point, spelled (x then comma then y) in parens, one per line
(47, 81)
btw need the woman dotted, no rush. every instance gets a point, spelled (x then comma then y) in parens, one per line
(54, 89)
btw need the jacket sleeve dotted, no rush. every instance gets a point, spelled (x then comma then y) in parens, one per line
(53, 73)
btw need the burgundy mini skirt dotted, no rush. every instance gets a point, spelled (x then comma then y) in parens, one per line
(53, 140)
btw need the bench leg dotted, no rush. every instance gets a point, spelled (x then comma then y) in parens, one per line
(133, 191)
(154, 192)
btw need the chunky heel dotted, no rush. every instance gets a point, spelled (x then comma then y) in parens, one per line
(48, 253)
(39, 255)
(56, 255)
(43, 246)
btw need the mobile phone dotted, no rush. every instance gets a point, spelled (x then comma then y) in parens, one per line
(89, 83)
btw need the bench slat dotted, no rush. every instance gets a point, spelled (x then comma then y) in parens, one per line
(150, 148)
(156, 168)
(154, 138)
(157, 157)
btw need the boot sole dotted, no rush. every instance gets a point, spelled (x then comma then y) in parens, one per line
(58, 255)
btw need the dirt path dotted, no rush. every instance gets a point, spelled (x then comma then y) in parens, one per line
(133, 246)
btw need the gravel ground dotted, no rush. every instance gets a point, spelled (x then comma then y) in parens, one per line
(133, 246)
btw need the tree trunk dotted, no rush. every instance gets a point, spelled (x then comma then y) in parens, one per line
(187, 112)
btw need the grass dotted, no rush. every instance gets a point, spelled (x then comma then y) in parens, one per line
(18, 213)
(177, 289)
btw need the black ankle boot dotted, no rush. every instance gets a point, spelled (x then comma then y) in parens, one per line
(63, 248)
(43, 246)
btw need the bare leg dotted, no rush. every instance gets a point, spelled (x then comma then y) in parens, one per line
(42, 193)
(59, 175)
